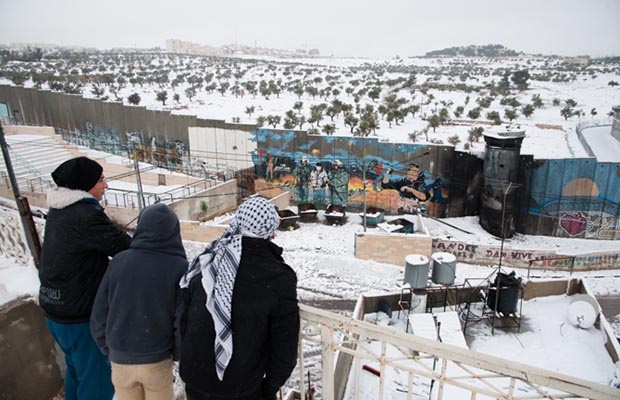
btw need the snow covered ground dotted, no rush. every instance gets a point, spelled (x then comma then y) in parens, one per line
(329, 276)
(322, 256)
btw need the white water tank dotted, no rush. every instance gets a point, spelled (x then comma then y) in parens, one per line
(444, 268)
(416, 270)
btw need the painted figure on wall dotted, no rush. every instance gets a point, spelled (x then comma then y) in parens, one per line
(437, 203)
(412, 188)
(338, 184)
(375, 172)
(318, 183)
(269, 169)
(302, 180)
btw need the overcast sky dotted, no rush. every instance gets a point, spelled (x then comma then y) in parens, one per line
(368, 28)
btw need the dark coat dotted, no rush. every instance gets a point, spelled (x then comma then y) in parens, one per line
(265, 325)
(79, 239)
(137, 310)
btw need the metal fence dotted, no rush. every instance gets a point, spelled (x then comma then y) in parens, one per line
(129, 198)
(428, 369)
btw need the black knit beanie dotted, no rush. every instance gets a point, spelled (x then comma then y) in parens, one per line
(79, 173)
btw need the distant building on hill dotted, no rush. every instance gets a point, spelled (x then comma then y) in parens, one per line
(183, 47)
(580, 61)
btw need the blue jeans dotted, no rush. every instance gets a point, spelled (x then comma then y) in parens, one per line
(88, 375)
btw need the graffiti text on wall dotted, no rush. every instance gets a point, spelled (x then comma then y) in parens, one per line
(516, 258)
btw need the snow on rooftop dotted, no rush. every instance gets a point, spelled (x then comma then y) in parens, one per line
(605, 147)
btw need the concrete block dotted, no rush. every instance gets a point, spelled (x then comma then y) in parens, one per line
(28, 353)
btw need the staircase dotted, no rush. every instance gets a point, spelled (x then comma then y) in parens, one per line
(34, 157)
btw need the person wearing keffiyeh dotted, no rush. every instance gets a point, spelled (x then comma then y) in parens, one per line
(241, 328)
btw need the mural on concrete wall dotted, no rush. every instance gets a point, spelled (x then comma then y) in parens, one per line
(103, 125)
(130, 144)
(94, 137)
(4, 114)
(573, 198)
(170, 153)
(326, 170)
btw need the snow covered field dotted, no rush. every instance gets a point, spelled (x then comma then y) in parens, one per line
(329, 276)
(457, 85)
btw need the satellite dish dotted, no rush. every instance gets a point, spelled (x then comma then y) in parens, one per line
(583, 311)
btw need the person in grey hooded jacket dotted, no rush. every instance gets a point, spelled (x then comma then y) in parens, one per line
(135, 317)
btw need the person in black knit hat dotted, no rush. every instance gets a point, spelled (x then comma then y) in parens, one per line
(79, 173)
(79, 239)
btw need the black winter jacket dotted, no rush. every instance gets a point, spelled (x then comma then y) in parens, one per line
(265, 326)
(137, 310)
(78, 241)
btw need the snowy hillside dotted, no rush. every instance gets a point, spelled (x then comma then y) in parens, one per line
(426, 100)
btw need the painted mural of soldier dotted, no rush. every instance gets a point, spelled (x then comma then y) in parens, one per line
(412, 188)
(302, 180)
(318, 183)
(338, 184)
(269, 168)
(374, 171)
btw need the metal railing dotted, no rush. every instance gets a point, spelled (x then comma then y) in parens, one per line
(129, 198)
(427, 369)
(559, 263)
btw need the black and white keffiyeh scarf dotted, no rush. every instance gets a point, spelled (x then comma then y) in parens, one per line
(256, 218)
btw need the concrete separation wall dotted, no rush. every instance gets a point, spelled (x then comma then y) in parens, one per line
(43, 107)
(29, 367)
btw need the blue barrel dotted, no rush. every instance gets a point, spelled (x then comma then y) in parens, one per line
(416, 271)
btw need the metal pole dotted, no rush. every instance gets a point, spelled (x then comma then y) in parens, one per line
(30, 229)
(138, 180)
(364, 189)
(501, 252)
(501, 255)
